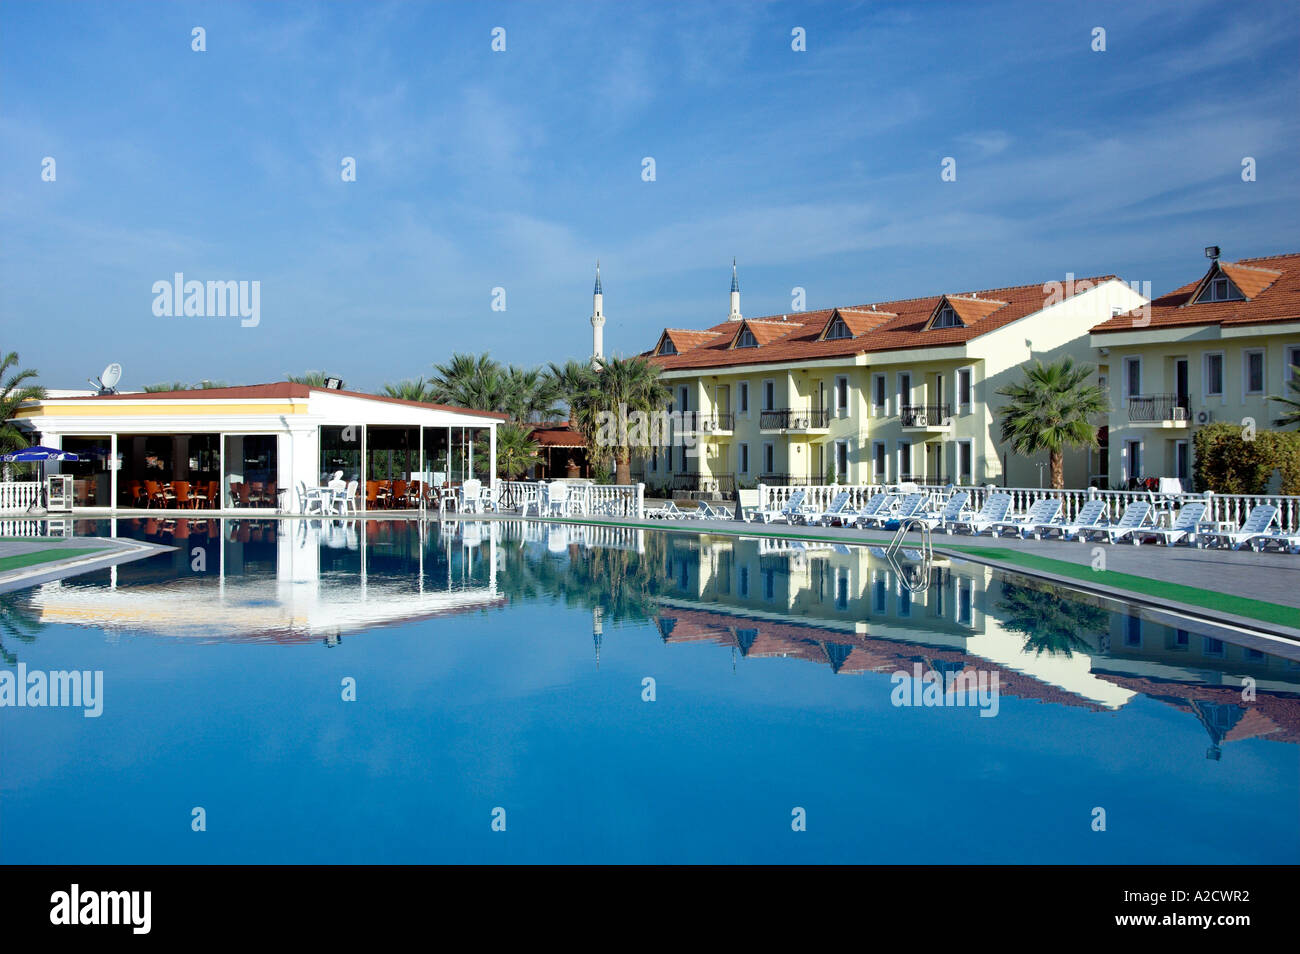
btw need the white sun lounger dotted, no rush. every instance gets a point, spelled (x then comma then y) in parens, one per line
(911, 506)
(950, 514)
(669, 511)
(1089, 517)
(1136, 516)
(833, 510)
(1286, 541)
(995, 509)
(708, 512)
(878, 502)
(1255, 525)
(1185, 525)
(1039, 513)
(793, 508)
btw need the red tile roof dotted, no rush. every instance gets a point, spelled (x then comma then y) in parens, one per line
(280, 390)
(884, 326)
(557, 435)
(1271, 285)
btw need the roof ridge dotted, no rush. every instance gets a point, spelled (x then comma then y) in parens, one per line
(1264, 258)
(1253, 268)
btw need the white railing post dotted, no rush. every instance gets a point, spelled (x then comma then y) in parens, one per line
(640, 500)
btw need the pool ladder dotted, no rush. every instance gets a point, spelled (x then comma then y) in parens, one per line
(917, 577)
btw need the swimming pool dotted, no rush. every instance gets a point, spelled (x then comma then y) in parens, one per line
(386, 691)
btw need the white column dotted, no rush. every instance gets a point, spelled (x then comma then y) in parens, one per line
(492, 455)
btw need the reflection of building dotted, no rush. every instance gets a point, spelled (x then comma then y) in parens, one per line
(281, 580)
(254, 445)
(849, 611)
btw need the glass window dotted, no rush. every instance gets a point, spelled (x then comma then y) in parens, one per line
(769, 395)
(1214, 375)
(744, 458)
(1133, 376)
(878, 385)
(1254, 372)
(842, 394)
(964, 386)
(744, 397)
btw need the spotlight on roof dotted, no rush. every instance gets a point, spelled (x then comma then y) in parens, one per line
(334, 384)
(1212, 251)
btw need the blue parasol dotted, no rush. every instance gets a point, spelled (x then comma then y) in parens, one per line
(37, 453)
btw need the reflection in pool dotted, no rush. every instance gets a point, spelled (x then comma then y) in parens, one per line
(623, 695)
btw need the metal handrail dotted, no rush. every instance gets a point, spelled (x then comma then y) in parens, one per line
(927, 554)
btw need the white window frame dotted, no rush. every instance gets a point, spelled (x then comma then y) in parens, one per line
(879, 453)
(1245, 372)
(904, 471)
(1128, 361)
(842, 478)
(904, 399)
(766, 383)
(969, 443)
(1128, 458)
(960, 405)
(880, 410)
(1222, 393)
(845, 409)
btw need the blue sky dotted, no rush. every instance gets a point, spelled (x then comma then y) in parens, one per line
(478, 169)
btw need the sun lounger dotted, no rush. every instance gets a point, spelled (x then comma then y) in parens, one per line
(793, 508)
(994, 510)
(833, 510)
(874, 505)
(707, 511)
(951, 512)
(1136, 516)
(669, 511)
(1285, 541)
(1256, 525)
(913, 505)
(1185, 525)
(1089, 517)
(1040, 512)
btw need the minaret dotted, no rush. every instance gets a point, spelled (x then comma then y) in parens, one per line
(597, 319)
(735, 294)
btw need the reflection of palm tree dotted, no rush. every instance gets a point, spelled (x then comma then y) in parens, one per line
(1050, 623)
(16, 621)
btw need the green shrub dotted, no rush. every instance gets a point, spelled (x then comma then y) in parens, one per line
(1228, 463)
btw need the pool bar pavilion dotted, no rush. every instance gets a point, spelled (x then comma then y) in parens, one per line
(259, 447)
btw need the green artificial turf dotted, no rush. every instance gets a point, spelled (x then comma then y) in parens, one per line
(21, 560)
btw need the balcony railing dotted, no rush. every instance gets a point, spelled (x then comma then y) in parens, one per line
(1154, 408)
(789, 419)
(715, 422)
(926, 415)
(690, 483)
(783, 480)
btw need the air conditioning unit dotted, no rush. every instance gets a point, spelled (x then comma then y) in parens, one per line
(708, 426)
(921, 420)
(800, 422)
(1204, 417)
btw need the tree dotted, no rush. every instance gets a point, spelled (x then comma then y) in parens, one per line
(315, 379)
(1051, 409)
(622, 386)
(470, 381)
(410, 390)
(516, 451)
(1291, 415)
(1050, 623)
(164, 386)
(15, 389)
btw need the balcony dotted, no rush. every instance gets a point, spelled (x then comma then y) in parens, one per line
(783, 480)
(1158, 410)
(788, 420)
(703, 483)
(718, 423)
(926, 418)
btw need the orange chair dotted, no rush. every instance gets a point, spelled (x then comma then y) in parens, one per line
(181, 494)
(399, 493)
(372, 495)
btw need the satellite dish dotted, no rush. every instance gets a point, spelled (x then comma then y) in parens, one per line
(112, 374)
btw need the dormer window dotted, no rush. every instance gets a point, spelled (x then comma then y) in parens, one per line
(666, 346)
(838, 330)
(746, 339)
(947, 318)
(1221, 288)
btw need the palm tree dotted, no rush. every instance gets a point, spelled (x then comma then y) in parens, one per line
(573, 382)
(531, 395)
(1050, 623)
(315, 379)
(470, 381)
(1051, 409)
(14, 390)
(622, 386)
(410, 390)
(164, 386)
(516, 451)
(1292, 413)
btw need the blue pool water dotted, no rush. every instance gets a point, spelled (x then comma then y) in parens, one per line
(503, 666)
